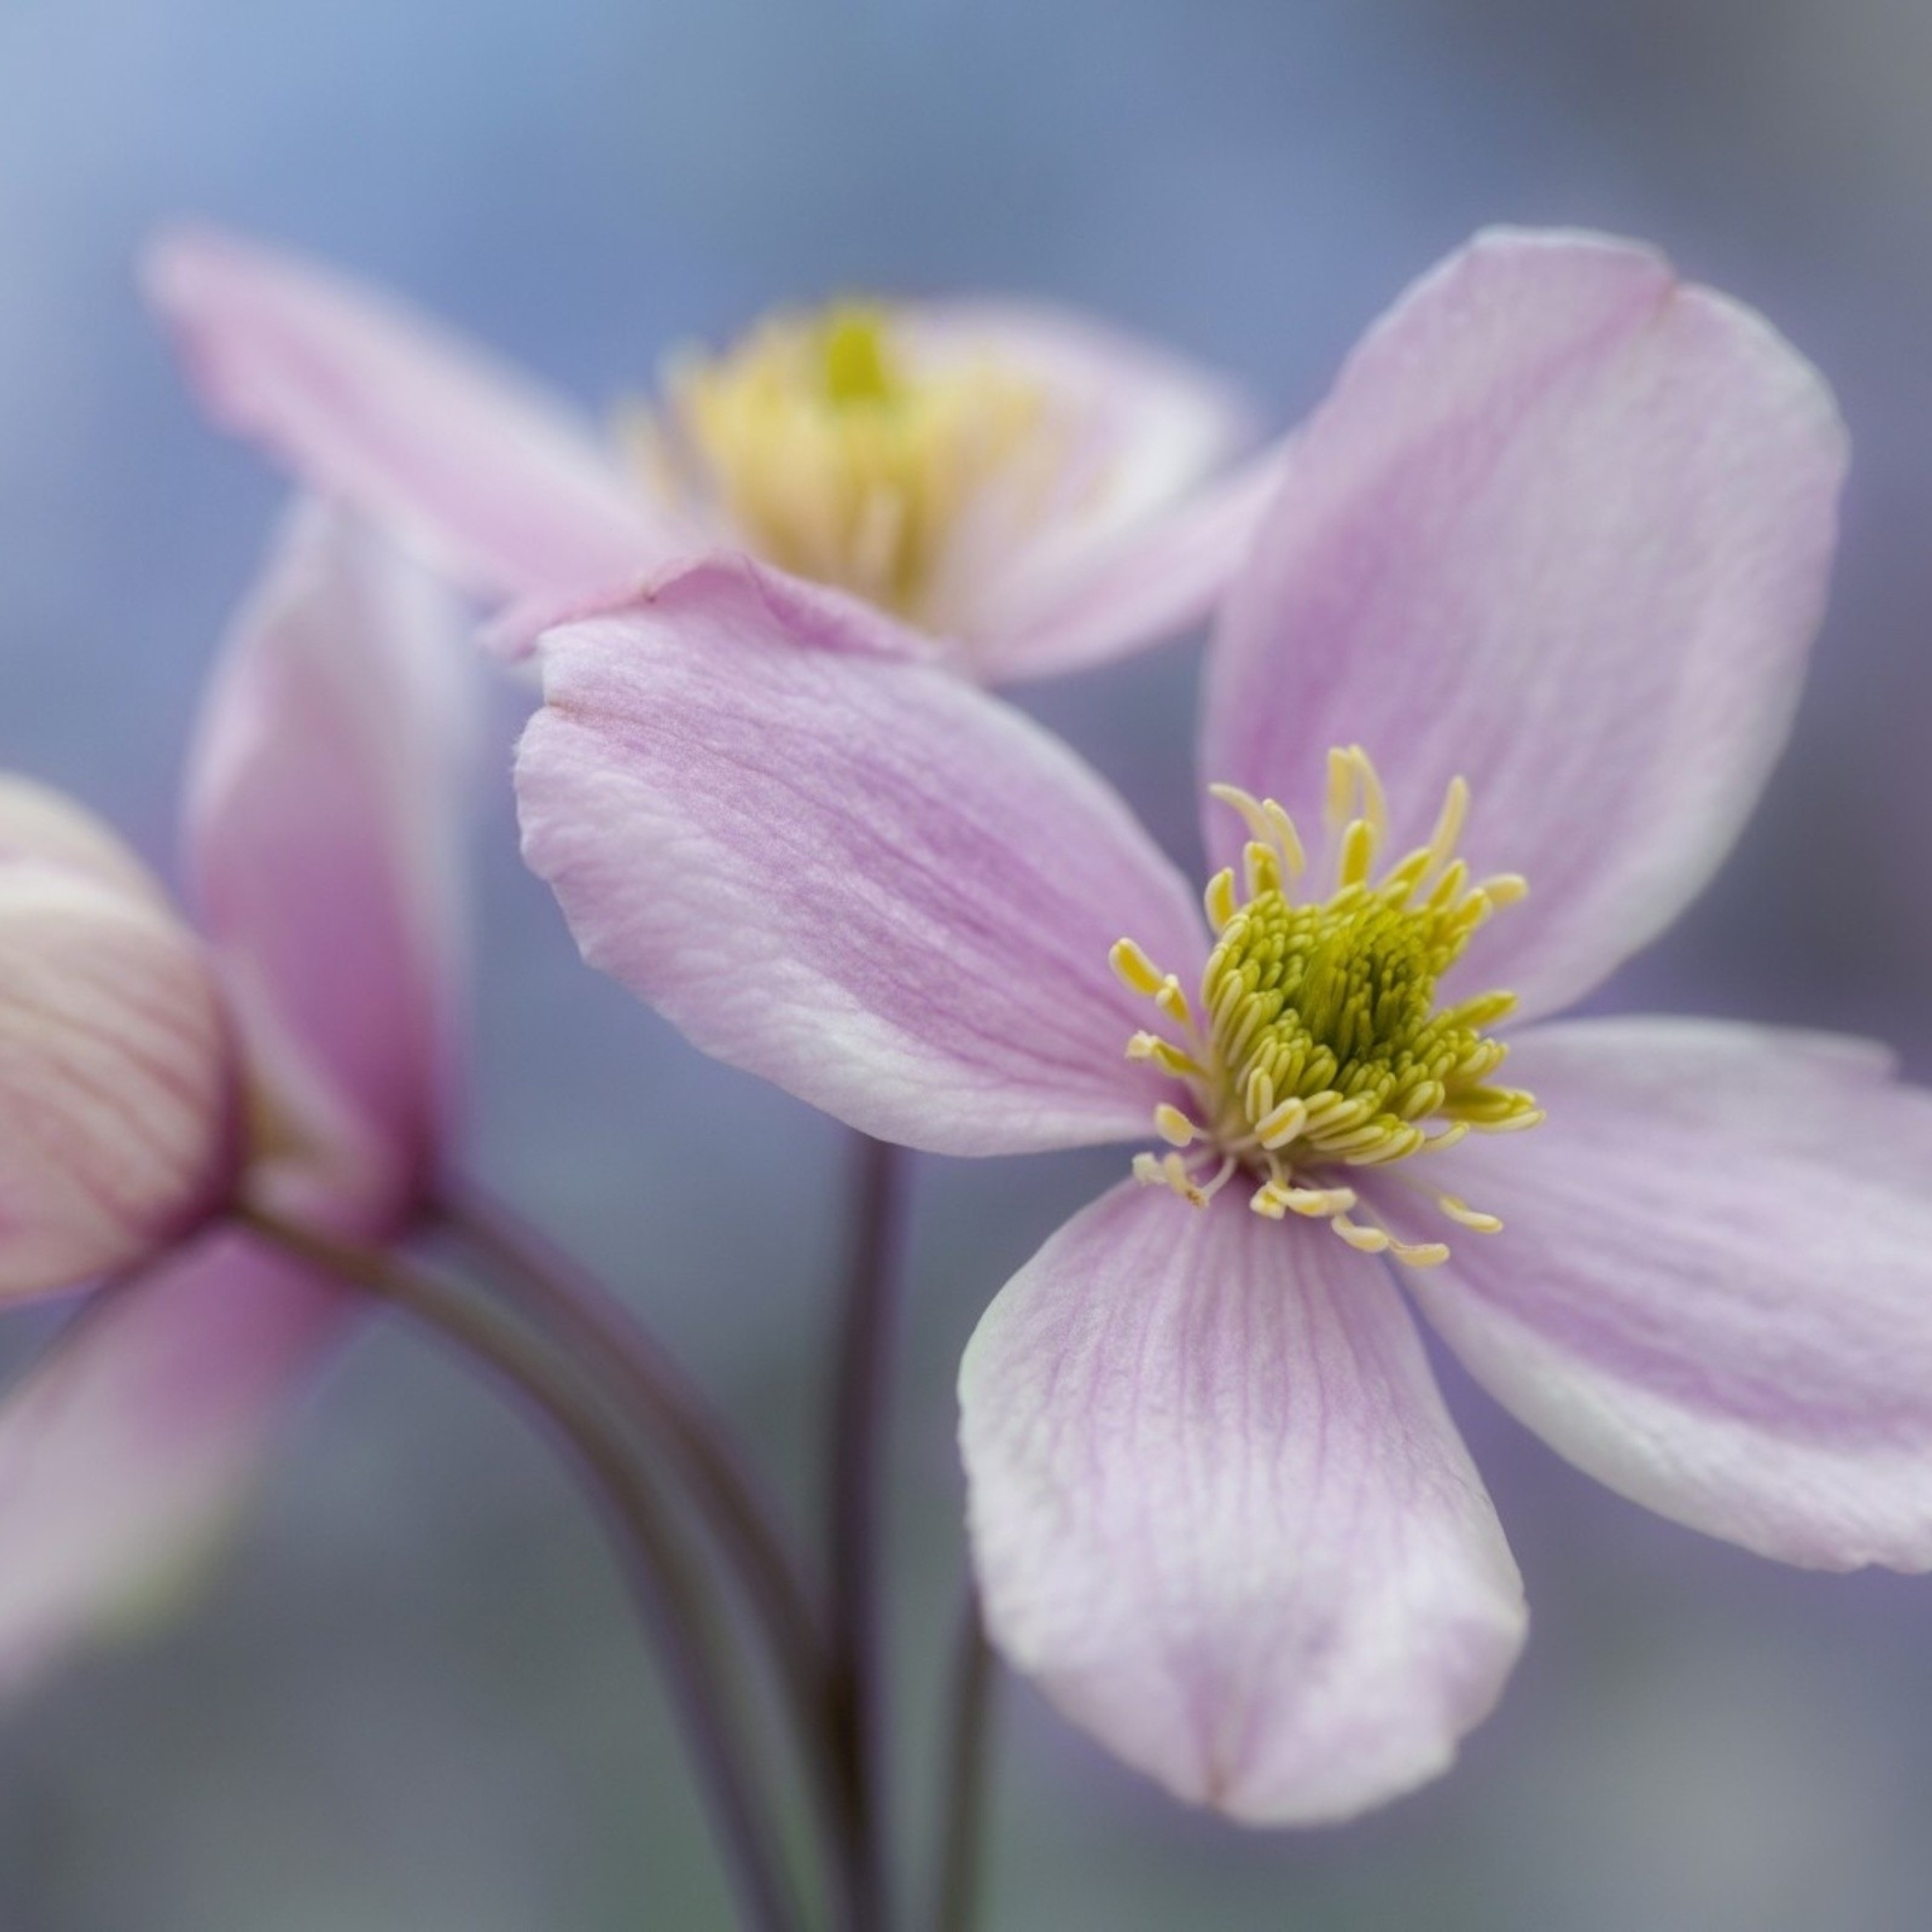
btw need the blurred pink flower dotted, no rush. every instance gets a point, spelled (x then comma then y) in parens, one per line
(320, 825)
(1563, 526)
(1037, 491)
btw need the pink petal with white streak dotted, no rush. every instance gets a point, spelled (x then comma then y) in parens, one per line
(497, 483)
(1713, 1289)
(847, 872)
(1218, 1510)
(1563, 527)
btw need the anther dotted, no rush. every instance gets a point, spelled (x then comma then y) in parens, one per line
(1464, 1216)
(1135, 970)
(1280, 1125)
(1364, 1240)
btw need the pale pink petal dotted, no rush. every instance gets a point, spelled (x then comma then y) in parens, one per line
(847, 871)
(1218, 1510)
(1140, 426)
(1563, 527)
(1146, 583)
(497, 484)
(117, 1078)
(836, 619)
(126, 1451)
(323, 830)
(1114, 537)
(1713, 1289)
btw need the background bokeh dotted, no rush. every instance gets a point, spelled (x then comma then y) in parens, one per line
(411, 1700)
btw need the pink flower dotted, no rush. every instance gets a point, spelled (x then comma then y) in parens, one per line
(1562, 529)
(320, 822)
(1039, 491)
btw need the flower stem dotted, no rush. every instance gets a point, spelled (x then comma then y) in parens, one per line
(588, 1319)
(963, 1801)
(861, 1379)
(670, 1591)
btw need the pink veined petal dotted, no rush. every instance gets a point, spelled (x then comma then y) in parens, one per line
(837, 619)
(1713, 1289)
(323, 828)
(497, 484)
(126, 1450)
(1563, 527)
(1146, 583)
(117, 1078)
(849, 873)
(1218, 1510)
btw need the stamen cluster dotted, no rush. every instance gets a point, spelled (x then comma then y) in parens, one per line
(1317, 1042)
(833, 457)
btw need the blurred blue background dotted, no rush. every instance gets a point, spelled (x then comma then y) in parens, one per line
(412, 1700)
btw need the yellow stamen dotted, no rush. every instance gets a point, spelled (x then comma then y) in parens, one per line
(836, 453)
(1319, 1045)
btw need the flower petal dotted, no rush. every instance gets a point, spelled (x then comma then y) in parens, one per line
(1144, 584)
(1152, 423)
(1126, 546)
(117, 1078)
(324, 833)
(1218, 1509)
(1563, 527)
(1713, 1289)
(497, 484)
(125, 1453)
(847, 871)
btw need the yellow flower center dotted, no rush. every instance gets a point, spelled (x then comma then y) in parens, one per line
(837, 459)
(1317, 1043)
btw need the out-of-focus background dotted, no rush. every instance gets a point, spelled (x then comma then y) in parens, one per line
(412, 1701)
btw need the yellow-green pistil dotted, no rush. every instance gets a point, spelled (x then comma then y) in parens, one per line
(1317, 1043)
(838, 455)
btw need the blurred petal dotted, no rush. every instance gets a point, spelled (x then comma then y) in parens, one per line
(847, 871)
(1126, 547)
(1218, 1509)
(117, 1080)
(495, 482)
(1147, 584)
(324, 835)
(1713, 1289)
(125, 1452)
(1563, 527)
(1149, 424)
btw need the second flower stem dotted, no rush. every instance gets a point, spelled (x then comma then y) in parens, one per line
(866, 1344)
(671, 1591)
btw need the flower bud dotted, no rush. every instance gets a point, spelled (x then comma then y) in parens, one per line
(117, 1080)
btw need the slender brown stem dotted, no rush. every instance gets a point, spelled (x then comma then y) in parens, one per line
(583, 1314)
(671, 1593)
(963, 1800)
(863, 1376)
(608, 1339)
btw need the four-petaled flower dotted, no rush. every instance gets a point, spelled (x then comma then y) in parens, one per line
(322, 821)
(1547, 565)
(1039, 492)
